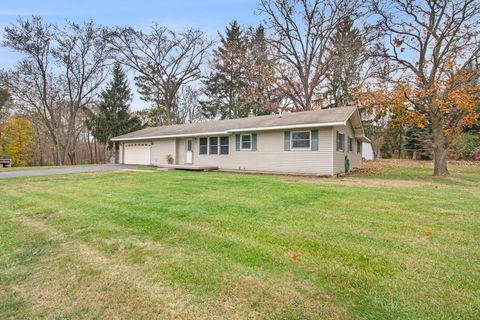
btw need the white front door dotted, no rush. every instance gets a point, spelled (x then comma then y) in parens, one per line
(189, 151)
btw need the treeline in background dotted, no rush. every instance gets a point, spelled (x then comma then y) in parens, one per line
(411, 67)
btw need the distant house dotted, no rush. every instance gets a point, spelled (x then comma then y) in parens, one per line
(367, 151)
(323, 142)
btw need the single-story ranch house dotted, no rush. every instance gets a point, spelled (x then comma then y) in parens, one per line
(324, 142)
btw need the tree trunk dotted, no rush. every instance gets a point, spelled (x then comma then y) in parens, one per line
(54, 155)
(440, 149)
(400, 144)
(58, 153)
(72, 158)
(96, 150)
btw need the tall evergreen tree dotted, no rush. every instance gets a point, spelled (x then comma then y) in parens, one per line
(262, 93)
(418, 142)
(114, 117)
(243, 77)
(226, 82)
(346, 62)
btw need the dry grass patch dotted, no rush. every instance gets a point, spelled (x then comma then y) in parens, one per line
(216, 245)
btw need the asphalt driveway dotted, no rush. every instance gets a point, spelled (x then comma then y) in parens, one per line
(64, 170)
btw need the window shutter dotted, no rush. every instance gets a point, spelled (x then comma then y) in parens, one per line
(314, 140)
(338, 141)
(286, 141)
(254, 142)
(237, 142)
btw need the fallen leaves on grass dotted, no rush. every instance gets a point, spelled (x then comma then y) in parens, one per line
(430, 231)
(296, 256)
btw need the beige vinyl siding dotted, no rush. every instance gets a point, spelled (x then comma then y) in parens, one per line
(339, 156)
(120, 152)
(270, 155)
(180, 151)
(161, 148)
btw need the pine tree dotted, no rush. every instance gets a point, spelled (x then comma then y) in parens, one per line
(114, 117)
(262, 94)
(418, 142)
(226, 83)
(346, 62)
(243, 77)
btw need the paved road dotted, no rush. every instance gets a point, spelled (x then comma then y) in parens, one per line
(65, 170)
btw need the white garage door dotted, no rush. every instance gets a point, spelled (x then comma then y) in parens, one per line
(137, 153)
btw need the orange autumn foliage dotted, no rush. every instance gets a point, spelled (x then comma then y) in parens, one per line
(393, 103)
(456, 100)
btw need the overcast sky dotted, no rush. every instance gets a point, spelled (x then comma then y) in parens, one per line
(208, 15)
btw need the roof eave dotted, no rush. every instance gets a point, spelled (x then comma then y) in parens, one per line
(296, 126)
(293, 126)
(186, 135)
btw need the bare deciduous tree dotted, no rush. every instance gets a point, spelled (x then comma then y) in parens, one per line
(163, 60)
(301, 33)
(434, 47)
(61, 70)
(189, 105)
(4, 104)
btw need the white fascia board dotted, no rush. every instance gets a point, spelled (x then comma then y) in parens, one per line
(171, 136)
(293, 126)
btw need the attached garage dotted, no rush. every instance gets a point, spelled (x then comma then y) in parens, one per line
(137, 153)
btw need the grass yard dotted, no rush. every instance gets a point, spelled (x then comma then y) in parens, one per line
(390, 242)
(5, 169)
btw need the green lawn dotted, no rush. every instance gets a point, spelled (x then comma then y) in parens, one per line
(5, 169)
(193, 245)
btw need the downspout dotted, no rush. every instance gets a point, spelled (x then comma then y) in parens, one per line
(333, 151)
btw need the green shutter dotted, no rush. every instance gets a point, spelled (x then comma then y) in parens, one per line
(286, 141)
(237, 142)
(336, 143)
(314, 140)
(254, 142)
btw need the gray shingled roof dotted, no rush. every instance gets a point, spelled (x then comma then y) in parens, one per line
(297, 119)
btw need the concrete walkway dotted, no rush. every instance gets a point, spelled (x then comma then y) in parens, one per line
(64, 170)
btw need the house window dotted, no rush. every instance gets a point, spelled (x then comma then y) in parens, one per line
(203, 145)
(359, 146)
(213, 147)
(340, 141)
(224, 145)
(350, 144)
(246, 141)
(300, 140)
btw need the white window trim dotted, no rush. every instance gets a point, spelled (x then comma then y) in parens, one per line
(348, 144)
(241, 141)
(309, 140)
